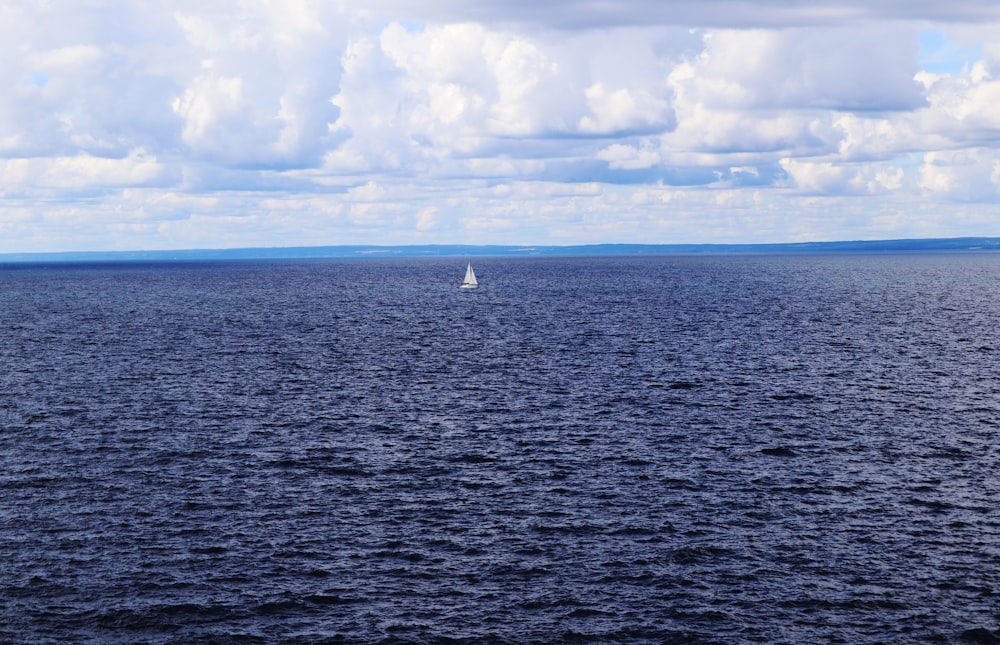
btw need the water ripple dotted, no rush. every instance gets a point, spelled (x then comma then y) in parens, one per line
(644, 450)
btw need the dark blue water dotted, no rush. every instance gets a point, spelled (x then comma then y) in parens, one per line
(651, 450)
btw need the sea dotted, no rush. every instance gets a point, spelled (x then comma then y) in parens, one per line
(720, 449)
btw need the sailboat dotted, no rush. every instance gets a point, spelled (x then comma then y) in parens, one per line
(470, 281)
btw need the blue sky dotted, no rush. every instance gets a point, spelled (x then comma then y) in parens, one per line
(159, 125)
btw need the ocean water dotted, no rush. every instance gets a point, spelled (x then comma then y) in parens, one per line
(704, 449)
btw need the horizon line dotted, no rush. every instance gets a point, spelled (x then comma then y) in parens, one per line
(967, 243)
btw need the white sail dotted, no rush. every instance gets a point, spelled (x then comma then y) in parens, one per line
(470, 281)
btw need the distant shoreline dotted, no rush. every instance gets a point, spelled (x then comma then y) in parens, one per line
(959, 244)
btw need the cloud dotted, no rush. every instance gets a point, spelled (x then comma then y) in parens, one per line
(464, 100)
(620, 156)
(80, 172)
(594, 14)
(67, 96)
(830, 68)
(971, 175)
(460, 84)
(260, 93)
(963, 105)
(623, 110)
(842, 178)
(181, 123)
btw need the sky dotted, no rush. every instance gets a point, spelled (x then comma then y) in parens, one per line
(148, 124)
